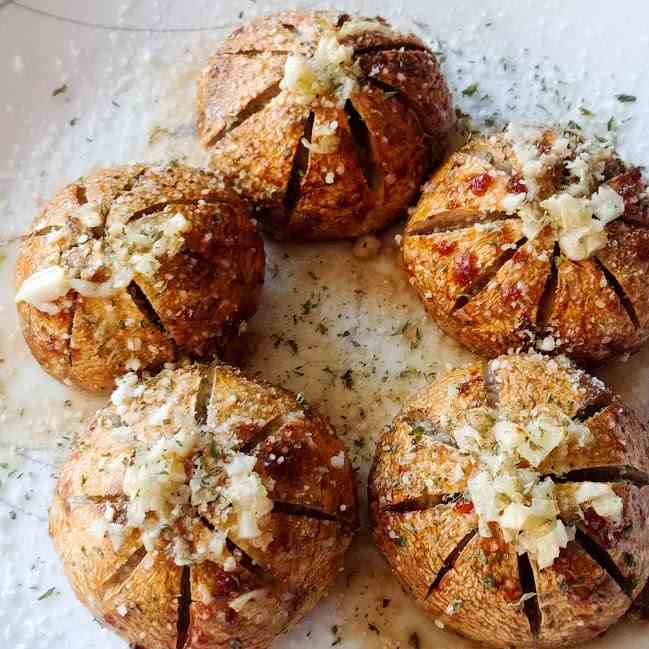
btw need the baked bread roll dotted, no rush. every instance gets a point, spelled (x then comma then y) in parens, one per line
(203, 509)
(130, 266)
(511, 500)
(324, 121)
(534, 238)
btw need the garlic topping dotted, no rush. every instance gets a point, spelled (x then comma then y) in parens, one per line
(579, 212)
(190, 488)
(509, 489)
(128, 249)
(328, 72)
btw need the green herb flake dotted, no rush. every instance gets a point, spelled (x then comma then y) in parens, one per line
(60, 90)
(348, 379)
(47, 593)
(625, 99)
(455, 606)
(585, 112)
(610, 125)
(469, 91)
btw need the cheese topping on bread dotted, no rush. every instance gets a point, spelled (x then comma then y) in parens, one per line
(508, 488)
(579, 212)
(188, 490)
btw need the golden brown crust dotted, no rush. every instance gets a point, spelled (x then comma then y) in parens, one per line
(305, 476)
(446, 266)
(214, 623)
(428, 531)
(224, 77)
(627, 257)
(520, 382)
(143, 596)
(279, 32)
(419, 80)
(147, 600)
(255, 127)
(342, 205)
(585, 316)
(502, 314)
(590, 310)
(448, 199)
(89, 568)
(267, 141)
(193, 302)
(624, 541)
(479, 595)
(577, 599)
(99, 325)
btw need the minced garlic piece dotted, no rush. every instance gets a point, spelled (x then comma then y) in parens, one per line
(179, 480)
(508, 488)
(134, 248)
(579, 212)
(580, 233)
(44, 287)
(361, 25)
(238, 603)
(329, 72)
(89, 215)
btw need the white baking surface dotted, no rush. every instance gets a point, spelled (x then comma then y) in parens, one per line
(130, 69)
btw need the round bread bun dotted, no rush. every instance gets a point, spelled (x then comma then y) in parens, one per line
(130, 266)
(203, 509)
(534, 237)
(563, 454)
(325, 122)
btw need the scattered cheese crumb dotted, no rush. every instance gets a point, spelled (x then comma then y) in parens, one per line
(181, 477)
(580, 210)
(239, 602)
